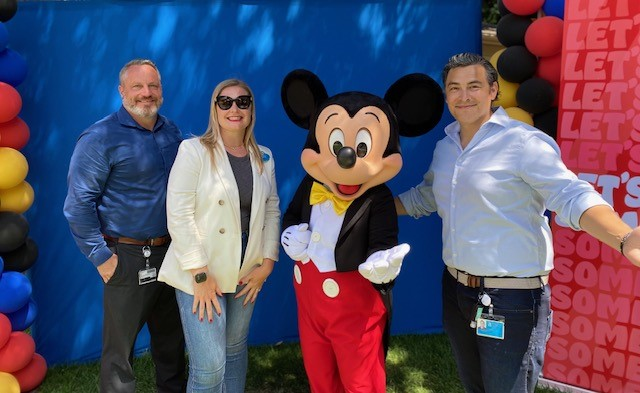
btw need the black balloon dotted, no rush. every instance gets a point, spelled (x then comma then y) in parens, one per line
(516, 64)
(13, 231)
(502, 9)
(8, 9)
(511, 29)
(22, 258)
(535, 95)
(547, 122)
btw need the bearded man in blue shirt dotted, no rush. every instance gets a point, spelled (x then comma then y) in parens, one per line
(491, 180)
(116, 211)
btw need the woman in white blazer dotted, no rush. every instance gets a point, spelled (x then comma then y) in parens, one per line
(224, 220)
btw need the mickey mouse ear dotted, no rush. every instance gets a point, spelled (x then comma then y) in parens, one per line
(301, 93)
(417, 102)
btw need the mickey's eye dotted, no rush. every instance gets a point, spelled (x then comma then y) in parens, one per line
(336, 141)
(363, 143)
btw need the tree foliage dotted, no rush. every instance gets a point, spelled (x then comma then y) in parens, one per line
(490, 12)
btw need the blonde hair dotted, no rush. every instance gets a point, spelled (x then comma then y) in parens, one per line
(210, 138)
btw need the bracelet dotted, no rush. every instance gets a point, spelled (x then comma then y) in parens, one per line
(624, 239)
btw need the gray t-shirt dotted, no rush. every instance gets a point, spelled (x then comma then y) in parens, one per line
(244, 178)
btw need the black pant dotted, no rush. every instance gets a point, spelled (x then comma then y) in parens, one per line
(127, 307)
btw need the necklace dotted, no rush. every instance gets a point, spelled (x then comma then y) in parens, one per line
(234, 148)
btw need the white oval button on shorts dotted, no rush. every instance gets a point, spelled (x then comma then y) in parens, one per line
(297, 274)
(330, 287)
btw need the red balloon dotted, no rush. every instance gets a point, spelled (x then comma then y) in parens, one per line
(14, 133)
(32, 375)
(17, 352)
(5, 329)
(544, 37)
(523, 7)
(548, 69)
(11, 102)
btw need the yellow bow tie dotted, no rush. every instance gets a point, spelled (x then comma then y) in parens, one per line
(320, 194)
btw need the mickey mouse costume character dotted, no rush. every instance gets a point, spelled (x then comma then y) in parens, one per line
(341, 225)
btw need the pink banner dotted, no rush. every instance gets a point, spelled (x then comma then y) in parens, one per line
(595, 341)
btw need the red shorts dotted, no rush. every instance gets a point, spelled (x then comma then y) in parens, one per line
(341, 319)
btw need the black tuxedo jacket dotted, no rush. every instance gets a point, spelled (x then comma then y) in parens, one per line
(370, 224)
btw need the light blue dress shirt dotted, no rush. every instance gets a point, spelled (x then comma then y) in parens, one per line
(492, 197)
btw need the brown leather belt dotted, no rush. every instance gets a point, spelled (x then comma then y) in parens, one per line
(472, 281)
(156, 241)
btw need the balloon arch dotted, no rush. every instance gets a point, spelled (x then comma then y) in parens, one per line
(21, 368)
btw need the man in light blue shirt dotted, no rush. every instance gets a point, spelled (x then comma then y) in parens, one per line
(491, 180)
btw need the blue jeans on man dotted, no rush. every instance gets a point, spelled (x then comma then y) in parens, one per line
(489, 365)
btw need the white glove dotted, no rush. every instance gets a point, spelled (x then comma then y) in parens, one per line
(295, 241)
(384, 265)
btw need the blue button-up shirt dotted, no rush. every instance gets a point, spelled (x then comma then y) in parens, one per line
(118, 182)
(493, 194)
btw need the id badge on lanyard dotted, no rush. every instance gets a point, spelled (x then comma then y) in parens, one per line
(148, 274)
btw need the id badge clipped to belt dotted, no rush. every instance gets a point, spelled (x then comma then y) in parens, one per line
(148, 274)
(487, 324)
(490, 325)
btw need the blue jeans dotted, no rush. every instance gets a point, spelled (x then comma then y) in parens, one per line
(512, 365)
(218, 356)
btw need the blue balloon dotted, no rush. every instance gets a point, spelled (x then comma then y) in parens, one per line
(4, 36)
(15, 290)
(13, 67)
(1, 266)
(24, 317)
(554, 8)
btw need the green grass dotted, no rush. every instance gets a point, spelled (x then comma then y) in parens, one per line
(416, 364)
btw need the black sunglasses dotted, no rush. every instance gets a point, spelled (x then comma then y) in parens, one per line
(225, 103)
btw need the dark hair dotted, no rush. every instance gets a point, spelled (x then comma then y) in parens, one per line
(469, 59)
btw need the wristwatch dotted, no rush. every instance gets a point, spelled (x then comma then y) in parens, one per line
(200, 277)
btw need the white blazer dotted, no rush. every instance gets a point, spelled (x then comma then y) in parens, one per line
(203, 216)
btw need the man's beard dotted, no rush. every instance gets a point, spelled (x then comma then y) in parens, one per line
(145, 111)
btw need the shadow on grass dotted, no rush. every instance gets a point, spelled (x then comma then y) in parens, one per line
(421, 364)
(415, 364)
(276, 369)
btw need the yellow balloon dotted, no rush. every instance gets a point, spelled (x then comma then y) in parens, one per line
(13, 167)
(494, 58)
(17, 199)
(507, 96)
(8, 383)
(519, 114)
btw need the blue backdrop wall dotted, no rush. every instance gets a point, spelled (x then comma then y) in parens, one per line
(74, 51)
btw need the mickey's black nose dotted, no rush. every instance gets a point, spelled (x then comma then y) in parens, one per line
(346, 157)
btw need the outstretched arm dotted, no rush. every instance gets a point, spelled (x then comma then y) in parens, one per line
(605, 225)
